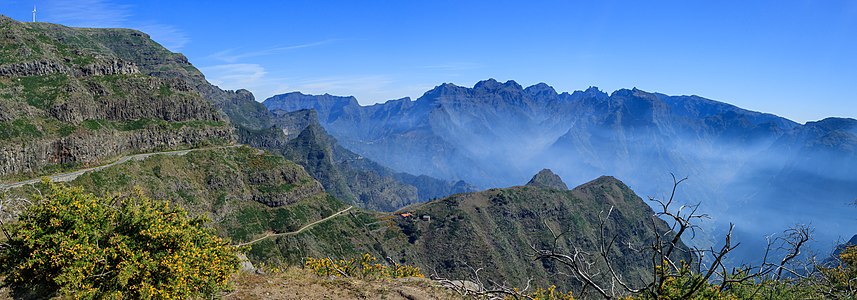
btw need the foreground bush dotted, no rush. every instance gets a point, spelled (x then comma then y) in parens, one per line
(71, 243)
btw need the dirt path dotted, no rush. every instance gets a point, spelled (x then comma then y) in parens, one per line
(307, 226)
(65, 177)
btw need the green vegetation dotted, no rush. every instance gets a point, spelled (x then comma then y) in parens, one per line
(71, 243)
(20, 128)
(232, 186)
(43, 91)
(165, 91)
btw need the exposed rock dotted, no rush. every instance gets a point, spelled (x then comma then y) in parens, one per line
(35, 68)
(112, 67)
(93, 148)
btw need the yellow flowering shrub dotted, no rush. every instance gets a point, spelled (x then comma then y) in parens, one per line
(366, 266)
(76, 244)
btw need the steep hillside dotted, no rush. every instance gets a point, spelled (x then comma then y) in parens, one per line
(495, 230)
(154, 60)
(249, 196)
(67, 99)
(346, 175)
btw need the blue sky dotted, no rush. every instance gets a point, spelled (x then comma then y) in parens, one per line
(797, 59)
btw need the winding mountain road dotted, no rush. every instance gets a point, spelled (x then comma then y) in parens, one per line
(307, 226)
(65, 177)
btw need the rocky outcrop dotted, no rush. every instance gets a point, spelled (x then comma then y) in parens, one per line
(34, 68)
(289, 195)
(292, 123)
(132, 99)
(112, 67)
(92, 148)
(49, 67)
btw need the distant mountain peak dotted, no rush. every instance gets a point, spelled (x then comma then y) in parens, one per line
(547, 179)
(489, 83)
(540, 88)
(492, 84)
(834, 123)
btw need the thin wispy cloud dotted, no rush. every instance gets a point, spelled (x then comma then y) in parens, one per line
(108, 14)
(252, 77)
(167, 35)
(232, 55)
(85, 13)
(368, 89)
(235, 76)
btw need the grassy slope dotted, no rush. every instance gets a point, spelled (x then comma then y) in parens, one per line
(494, 230)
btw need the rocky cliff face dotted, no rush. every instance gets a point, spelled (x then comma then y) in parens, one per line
(71, 96)
(84, 149)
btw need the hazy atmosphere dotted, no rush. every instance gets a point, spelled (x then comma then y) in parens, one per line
(452, 150)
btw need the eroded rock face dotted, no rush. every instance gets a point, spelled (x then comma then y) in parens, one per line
(49, 67)
(34, 68)
(132, 99)
(92, 148)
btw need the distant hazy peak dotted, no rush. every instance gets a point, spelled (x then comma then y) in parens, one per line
(830, 124)
(297, 96)
(540, 88)
(493, 84)
(547, 179)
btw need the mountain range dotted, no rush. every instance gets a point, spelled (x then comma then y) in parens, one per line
(760, 171)
(75, 98)
(432, 182)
